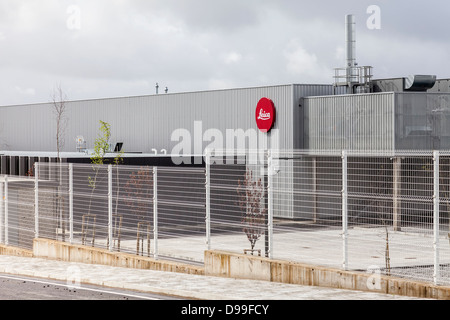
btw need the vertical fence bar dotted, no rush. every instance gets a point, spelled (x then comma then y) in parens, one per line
(110, 219)
(70, 203)
(6, 211)
(397, 184)
(155, 212)
(36, 202)
(344, 212)
(2, 199)
(208, 199)
(436, 216)
(270, 173)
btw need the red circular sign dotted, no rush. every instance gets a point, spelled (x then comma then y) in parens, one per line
(265, 114)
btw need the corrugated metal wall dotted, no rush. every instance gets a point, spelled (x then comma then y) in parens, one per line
(422, 121)
(283, 203)
(146, 122)
(351, 122)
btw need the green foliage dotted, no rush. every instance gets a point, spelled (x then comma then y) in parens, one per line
(101, 146)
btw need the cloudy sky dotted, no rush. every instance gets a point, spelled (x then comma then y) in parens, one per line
(109, 48)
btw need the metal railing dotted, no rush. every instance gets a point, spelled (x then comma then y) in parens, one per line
(375, 212)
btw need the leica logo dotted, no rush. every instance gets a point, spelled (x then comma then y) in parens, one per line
(263, 115)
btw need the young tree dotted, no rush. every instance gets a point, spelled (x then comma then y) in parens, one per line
(59, 110)
(139, 192)
(139, 201)
(101, 148)
(250, 200)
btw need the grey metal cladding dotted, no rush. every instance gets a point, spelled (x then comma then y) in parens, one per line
(146, 123)
(381, 121)
(352, 122)
(422, 121)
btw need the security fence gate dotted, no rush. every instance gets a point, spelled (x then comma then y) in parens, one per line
(375, 212)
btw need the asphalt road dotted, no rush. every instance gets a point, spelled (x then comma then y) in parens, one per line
(29, 288)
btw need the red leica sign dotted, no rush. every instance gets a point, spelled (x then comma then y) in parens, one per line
(265, 114)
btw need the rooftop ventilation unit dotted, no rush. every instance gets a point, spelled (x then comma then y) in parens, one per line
(419, 82)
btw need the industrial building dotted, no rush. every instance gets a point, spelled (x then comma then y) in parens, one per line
(353, 112)
(307, 117)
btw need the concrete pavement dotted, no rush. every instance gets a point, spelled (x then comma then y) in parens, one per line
(178, 284)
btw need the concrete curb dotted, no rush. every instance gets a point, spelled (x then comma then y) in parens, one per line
(226, 264)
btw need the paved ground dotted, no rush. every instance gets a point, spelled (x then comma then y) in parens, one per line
(178, 284)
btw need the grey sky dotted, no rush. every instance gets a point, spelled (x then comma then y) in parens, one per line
(108, 48)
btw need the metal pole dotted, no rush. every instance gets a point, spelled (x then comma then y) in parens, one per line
(36, 202)
(110, 222)
(397, 165)
(155, 212)
(436, 274)
(270, 173)
(70, 203)
(344, 211)
(1, 212)
(208, 199)
(6, 211)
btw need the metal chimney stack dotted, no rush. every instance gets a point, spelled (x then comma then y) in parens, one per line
(356, 78)
(350, 41)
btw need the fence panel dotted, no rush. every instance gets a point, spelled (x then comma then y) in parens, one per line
(181, 213)
(115, 210)
(238, 200)
(132, 209)
(314, 235)
(391, 215)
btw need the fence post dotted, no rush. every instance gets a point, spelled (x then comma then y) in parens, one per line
(1, 211)
(70, 203)
(110, 219)
(155, 212)
(436, 274)
(208, 199)
(36, 201)
(270, 173)
(6, 210)
(344, 211)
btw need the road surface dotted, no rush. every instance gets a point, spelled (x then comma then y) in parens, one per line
(30, 288)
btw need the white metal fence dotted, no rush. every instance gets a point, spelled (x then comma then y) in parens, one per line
(144, 210)
(377, 212)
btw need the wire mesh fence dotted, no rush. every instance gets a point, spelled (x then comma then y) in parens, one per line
(144, 210)
(376, 212)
